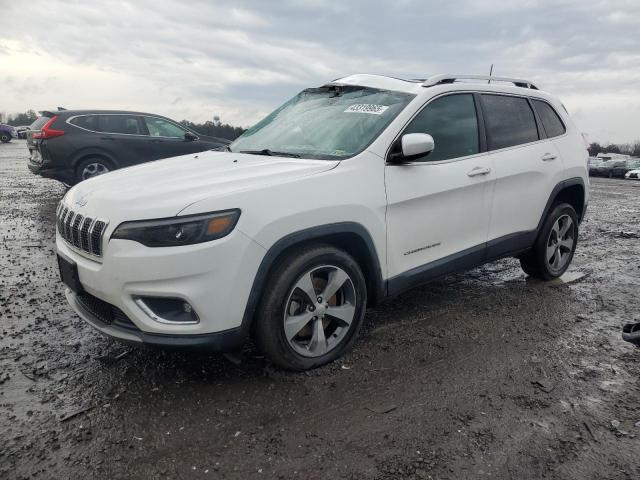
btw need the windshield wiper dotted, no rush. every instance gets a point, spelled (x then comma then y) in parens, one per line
(270, 153)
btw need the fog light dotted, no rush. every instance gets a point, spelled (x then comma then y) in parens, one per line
(168, 310)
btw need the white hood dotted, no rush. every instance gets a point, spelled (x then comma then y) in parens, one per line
(163, 188)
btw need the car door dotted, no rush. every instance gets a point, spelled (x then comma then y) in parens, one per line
(121, 136)
(168, 139)
(527, 168)
(438, 206)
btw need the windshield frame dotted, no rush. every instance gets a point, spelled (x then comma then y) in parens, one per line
(340, 89)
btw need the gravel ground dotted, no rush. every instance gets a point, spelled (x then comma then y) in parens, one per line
(485, 374)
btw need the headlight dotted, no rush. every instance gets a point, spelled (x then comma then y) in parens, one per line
(175, 231)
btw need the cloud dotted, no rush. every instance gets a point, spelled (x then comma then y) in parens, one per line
(240, 59)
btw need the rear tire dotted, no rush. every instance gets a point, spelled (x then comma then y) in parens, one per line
(553, 251)
(92, 167)
(5, 138)
(298, 332)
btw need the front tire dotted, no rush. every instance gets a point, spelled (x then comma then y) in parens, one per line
(553, 251)
(312, 308)
(5, 138)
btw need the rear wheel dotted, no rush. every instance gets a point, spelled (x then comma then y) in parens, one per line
(92, 167)
(553, 251)
(5, 138)
(312, 308)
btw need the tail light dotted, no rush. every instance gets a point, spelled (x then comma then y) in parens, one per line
(47, 132)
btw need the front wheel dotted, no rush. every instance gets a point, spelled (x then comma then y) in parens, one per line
(5, 138)
(312, 308)
(553, 251)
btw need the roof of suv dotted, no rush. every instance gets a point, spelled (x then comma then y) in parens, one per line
(420, 86)
(69, 113)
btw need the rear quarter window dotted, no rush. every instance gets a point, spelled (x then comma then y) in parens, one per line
(510, 121)
(551, 122)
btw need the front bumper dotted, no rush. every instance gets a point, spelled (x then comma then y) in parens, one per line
(225, 341)
(215, 278)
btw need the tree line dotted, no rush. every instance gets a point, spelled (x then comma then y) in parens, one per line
(632, 149)
(213, 129)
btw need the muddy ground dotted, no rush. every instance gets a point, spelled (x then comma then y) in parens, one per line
(485, 374)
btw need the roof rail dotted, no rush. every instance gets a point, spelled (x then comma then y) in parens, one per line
(448, 78)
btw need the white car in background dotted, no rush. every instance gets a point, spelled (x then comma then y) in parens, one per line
(347, 194)
(634, 170)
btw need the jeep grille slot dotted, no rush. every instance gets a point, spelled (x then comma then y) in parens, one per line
(82, 233)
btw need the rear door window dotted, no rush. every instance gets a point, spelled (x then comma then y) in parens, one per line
(161, 128)
(510, 121)
(88, 122)
(551, 122)
(453, 124)
(123, 124)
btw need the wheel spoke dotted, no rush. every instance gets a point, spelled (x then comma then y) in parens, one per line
(556, 260)
(344, 313)
(306, 285)
(551, 250)
(556, 228)
(336, 280)
(568, 223)
(566, 244)
(294, 323)
(318, 343)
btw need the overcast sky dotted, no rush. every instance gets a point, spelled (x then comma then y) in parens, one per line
(240, 59)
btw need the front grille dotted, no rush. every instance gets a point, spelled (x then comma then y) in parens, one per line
(105, 312)
(84, 233)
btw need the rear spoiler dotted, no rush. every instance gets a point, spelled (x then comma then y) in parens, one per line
(52, 113)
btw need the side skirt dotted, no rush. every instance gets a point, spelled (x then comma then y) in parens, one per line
(509, 245)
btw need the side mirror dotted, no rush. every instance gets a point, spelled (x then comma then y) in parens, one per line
(190, 137)
(412, 146)
(416, 145)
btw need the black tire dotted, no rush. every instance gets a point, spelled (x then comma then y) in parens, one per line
(5, 138)
(535, 262)
(102, 163)
(269, 330)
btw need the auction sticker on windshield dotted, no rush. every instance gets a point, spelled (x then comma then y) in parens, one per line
(366, 108)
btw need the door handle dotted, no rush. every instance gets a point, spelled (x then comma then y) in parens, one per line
(107, 138)
(548, 157)
(479, 171)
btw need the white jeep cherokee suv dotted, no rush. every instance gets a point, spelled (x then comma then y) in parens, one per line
(346, 194)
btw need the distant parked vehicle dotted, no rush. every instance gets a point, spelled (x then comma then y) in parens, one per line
(21, 131)
(7, 132)
(607, 168)
(595, 165)
(73, 145)
(634, 170)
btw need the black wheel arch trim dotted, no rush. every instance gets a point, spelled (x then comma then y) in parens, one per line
(570, 182)
(305, 236)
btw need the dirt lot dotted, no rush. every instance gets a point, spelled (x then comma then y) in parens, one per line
(485, 374)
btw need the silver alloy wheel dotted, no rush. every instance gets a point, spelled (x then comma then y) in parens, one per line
(93, 170)
(319, 310)
(560, 243)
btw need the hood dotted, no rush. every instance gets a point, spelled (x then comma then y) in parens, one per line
(163, 188)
